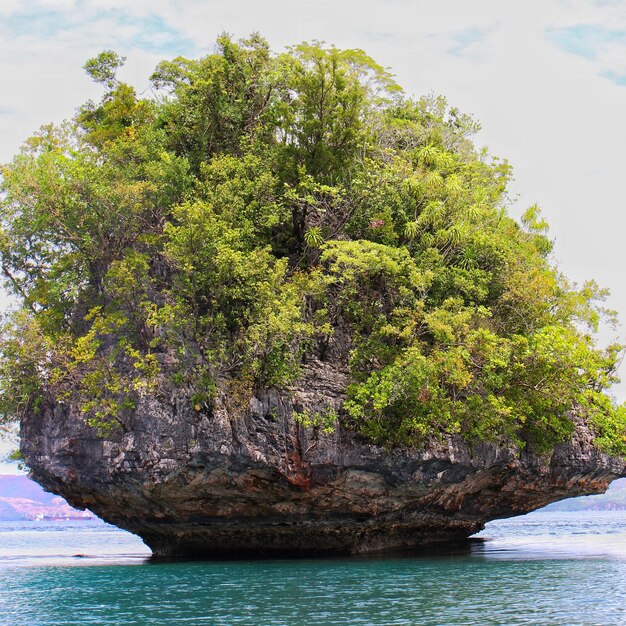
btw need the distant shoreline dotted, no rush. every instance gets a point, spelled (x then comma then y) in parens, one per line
(21, 499)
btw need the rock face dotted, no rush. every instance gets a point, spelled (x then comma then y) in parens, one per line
(251, 481)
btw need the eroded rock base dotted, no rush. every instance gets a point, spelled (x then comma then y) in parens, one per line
(223, 484)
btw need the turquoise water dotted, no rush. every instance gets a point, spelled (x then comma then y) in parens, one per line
(545, 568)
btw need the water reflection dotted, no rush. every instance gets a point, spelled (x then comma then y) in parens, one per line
(548, 535)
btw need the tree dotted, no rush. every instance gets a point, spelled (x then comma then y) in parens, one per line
(266, 209)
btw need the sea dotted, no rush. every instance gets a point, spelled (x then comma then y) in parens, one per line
(547, 568)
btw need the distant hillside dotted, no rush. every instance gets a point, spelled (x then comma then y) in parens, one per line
(23, 487)
(23, 499)
(613, 500)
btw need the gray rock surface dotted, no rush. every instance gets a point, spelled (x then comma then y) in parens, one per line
(246, 479)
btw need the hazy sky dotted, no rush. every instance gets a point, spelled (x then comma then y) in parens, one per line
(546, 78)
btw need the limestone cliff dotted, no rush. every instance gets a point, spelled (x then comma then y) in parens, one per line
(250, 480)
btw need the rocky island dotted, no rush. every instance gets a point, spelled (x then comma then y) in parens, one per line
(279, 308)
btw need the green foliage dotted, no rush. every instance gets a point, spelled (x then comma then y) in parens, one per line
(325, 420)
(15, 456)
(313, 237)
(26, 361)
(217, 104)
(265, 210)
(103, 68)
(321, 116)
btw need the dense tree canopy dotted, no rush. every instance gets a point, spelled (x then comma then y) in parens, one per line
(262, 210)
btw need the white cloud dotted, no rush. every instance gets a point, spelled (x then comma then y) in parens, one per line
(7, 7)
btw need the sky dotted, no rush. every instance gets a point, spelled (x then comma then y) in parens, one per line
(546, 79)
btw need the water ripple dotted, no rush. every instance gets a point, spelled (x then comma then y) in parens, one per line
(554, 570)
